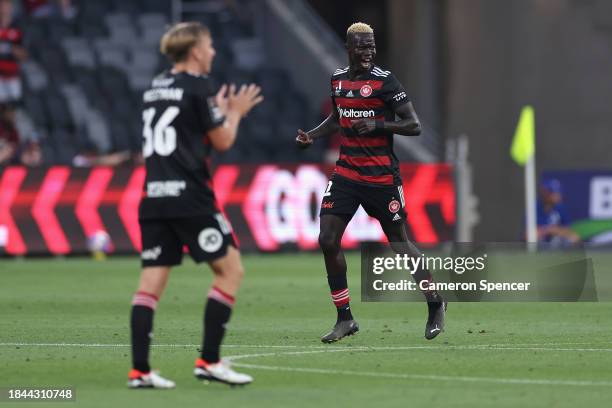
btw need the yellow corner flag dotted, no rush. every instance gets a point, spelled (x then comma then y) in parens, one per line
(523, 144)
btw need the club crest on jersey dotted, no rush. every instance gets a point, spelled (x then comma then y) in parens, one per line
(365, 91)
(394, 206)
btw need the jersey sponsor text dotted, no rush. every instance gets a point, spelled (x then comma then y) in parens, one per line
(355, 113)
(169, 188)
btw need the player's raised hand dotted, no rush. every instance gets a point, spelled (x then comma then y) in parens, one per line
(303, 139)
(247, 97)
(364, 126)
(221, 99)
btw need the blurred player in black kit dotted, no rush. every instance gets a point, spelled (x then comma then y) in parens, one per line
(366, 100)
(184, 118)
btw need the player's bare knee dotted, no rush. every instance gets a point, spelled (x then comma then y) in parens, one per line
(233, 272)
(236, 273)
(153, 280)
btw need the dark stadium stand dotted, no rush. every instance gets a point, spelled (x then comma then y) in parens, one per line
(84, 79)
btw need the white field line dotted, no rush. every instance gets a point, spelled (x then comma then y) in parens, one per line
(568, 343)
(551, 346)
(522, 381)
(111, 345)
(327, 349)
(292, 353)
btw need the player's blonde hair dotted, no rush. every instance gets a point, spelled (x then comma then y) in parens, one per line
(180, 38)
(359, 28)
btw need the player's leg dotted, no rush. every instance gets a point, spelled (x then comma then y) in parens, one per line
(209, 239)
(397, 235)
(161, 250)
(340, 202)
(330, 236)
(387, 205)
(221, 297)
(152, 283)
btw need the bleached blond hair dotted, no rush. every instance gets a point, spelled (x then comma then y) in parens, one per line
(180, 38)
(359, 28)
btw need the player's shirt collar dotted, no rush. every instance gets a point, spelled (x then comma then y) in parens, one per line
(375, 72)
(193, 74)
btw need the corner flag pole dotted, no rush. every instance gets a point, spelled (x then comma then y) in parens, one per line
(523, 153)
(530, 200)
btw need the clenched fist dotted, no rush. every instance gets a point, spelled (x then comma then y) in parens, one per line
(303, 140)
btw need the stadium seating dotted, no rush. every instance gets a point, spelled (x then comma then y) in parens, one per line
(85, 76)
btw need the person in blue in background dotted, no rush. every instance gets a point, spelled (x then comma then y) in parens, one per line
(552, 219)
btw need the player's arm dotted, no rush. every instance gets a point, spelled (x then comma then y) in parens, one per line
(235, 105)
(395, 97)
(329, 126)
(407, 125)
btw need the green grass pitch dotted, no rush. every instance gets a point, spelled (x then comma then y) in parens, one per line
(65, 323)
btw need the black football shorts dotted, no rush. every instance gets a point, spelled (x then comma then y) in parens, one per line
(385, 203)
(206, 237)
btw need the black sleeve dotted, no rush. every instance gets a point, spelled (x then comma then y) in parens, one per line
(207, 107)
(394, 93)
(332, 92)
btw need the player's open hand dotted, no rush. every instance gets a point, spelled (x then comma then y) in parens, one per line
(243, 100)
(221, 99)
(364, 126)
(303, 139)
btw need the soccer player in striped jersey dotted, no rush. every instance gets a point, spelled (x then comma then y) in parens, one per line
(366, 101)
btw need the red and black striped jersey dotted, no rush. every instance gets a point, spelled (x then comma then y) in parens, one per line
(367, 158)
(9, 37)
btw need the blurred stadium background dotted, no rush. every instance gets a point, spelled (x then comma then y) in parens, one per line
(71, 176)
(468, 65)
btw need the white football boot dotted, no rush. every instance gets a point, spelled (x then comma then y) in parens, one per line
(221, 372)
(138, 379)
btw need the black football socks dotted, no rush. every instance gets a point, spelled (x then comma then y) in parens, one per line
(216, 315)
(141, 325)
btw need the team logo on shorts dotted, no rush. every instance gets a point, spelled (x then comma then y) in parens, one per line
(394, 206)
(151, 254)
(210, 240)
(365, 91)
